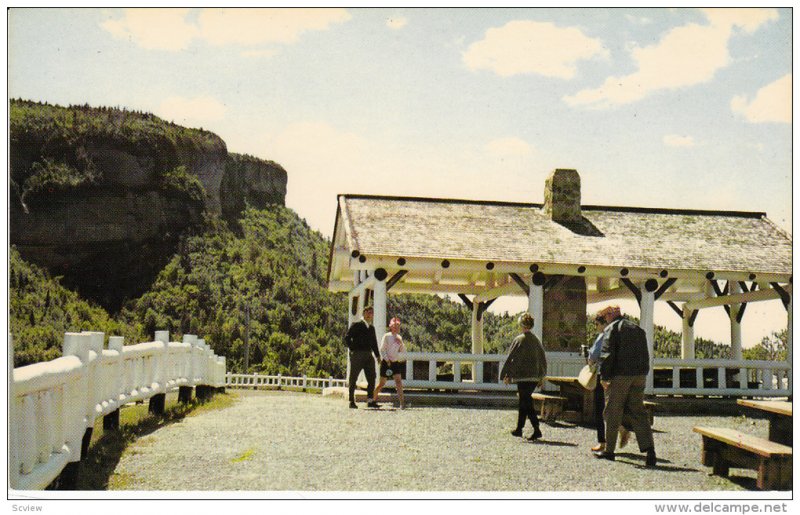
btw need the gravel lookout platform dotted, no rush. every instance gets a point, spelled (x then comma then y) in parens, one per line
(304, 442)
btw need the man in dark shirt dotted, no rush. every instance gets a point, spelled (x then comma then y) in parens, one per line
(624, 364)
(363, 344)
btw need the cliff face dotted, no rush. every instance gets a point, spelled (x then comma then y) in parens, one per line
(101, 196)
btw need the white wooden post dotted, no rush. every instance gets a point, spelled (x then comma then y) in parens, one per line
(687, 336)
(736, 327)
(379, 322)
(646, 323)
(789, 339)
(536, 309)
(380, 309)
(477, 344)
(477, 330)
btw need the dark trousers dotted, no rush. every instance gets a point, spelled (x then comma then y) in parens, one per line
(599, 406)
(361, 360)
(525, 389)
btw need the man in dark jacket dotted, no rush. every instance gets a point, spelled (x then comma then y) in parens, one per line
(526, 366)
(624, 364)
(362, 344)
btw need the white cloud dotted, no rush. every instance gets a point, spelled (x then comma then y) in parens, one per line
(255, 26)
(269, 52)
(772, 103)
(153, 29)
(674, 140)
(685, 56)
(397, 22)
(169, 29)
(504, 147)
(191, 111)
(748, 20)
(532, 47)
(638, 20)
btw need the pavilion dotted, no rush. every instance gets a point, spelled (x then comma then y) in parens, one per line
(561, 255)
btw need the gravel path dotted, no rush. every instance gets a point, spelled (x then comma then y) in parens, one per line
(302, 442)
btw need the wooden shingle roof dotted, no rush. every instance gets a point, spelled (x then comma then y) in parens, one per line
(610, 236)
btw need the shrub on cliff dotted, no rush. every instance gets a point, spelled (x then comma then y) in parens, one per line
(51, 146)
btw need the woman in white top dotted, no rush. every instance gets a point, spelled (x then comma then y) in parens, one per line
(391, 347)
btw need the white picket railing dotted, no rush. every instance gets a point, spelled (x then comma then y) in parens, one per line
(280, 381)
(752, 378)
(53, 404)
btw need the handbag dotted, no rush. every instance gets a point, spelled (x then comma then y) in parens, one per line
(588, 377)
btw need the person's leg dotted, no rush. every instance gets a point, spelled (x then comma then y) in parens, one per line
(599, 405)
(616, 396)
(521, 413)
(381, 384)
(354, 371)
(369, 372)
(398, 383)
(531, 412)
(638, 414)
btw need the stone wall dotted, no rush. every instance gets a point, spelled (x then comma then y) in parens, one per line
(564, 326)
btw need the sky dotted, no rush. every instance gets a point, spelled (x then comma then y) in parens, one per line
(671, 108)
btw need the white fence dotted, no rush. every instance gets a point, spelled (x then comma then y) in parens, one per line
(279, 381)
(53, 404)
(458, 371)
(461, 371)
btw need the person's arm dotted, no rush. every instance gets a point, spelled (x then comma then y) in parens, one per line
(509, 363)
(374, 343)
(609, 352)
(385, 347)
(349, 336)
(596, 349)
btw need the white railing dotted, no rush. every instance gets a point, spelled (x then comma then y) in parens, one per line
(459, 371)
(53, 404)
(722, 377)
(279, 381)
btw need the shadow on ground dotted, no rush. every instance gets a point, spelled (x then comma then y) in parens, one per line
(104, 453)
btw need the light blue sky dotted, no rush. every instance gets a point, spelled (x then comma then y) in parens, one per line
(677, 108)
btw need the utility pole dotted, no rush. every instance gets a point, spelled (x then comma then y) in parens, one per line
(246, 337)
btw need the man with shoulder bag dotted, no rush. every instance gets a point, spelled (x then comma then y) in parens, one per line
(624, 364)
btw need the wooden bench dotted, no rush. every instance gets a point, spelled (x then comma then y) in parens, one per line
(552, 405)
(724, 448)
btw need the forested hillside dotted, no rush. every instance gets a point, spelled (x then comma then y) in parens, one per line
(41, 310)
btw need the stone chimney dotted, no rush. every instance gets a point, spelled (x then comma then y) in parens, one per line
(562, 196)
(564, 324)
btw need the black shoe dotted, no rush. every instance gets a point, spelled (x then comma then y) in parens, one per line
(353, 405)
(516, 432)
(603, 455)
(537, 433)
(373, 404)
(650, 461)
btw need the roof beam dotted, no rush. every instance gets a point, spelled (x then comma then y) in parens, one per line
(506, 267)
(522, 284)
(736, 298)
(499, 291)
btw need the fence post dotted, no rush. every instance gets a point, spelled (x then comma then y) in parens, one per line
(13, 451)
(75, 344)
(111, 421)
(305, 380)
(159, 400)
(185, 392)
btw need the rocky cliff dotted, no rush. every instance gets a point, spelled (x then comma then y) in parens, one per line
(101, 196)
